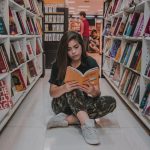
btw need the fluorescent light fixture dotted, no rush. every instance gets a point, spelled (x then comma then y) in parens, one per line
(71, 2)
(83, 6)
(71, 8)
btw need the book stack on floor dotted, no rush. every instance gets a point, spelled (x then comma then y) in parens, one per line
(21, 53)
(126, 61)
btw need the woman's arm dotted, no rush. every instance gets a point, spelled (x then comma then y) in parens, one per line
(57, 91)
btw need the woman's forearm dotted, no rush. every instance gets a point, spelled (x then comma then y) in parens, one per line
(57, 91)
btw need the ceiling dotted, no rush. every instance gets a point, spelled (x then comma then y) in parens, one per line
(91, 7)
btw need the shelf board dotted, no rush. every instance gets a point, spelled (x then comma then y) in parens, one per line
(54, 13)
(3, 36)
(3, 75)
(137, 112)
(16, 6)
(146, 77)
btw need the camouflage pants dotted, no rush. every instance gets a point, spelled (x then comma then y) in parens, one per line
(75, 101)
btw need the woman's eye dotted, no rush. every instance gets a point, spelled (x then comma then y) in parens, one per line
(76, 46)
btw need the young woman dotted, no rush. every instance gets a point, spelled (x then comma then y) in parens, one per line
(71, 102)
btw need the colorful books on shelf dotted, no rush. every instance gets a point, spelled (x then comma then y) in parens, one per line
(130, 86)
(2, 26)
(5, 98)
(132, 24)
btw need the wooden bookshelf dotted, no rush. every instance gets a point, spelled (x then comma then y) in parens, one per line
(14, 45)
(128, 23)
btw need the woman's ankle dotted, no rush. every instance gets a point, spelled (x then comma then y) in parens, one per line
(72, 119)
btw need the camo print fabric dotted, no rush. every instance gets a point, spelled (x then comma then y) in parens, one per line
(75, 101)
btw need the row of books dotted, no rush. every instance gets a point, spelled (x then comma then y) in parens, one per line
(115, 6)
(53, 9)
(53, 36)
(127, 82)
(54, 27)
(17, 54)
(126, 53)
(54, 18)
(17, 25)
(128, 25)
(31, 5)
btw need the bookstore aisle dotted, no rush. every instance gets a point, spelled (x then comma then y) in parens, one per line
(27, 128)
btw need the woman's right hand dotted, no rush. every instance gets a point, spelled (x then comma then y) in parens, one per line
(71, 85)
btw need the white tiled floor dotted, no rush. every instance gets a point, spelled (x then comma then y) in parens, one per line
(27, 128)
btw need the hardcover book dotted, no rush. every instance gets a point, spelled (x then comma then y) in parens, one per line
(5, 99)
(2, 26)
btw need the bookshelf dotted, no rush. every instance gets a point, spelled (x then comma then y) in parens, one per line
(21, 53)
(55, 23)
(126, 53)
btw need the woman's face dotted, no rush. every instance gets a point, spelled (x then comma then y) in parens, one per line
(74, 50)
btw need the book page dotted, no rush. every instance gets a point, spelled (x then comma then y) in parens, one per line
(91, 75)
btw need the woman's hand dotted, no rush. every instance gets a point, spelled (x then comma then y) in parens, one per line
(90, 89)
(71, 85)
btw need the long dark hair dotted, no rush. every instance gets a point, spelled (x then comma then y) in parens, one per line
(62, 59)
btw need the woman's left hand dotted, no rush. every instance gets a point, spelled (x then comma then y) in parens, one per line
(89, 88)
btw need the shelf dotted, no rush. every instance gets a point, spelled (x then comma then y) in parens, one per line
(53, 23)
(3, 75)
(15, 6)
(54, 13)
(4, 36)
(146, 77)
(20, 46)
(53, 31)
(21, 97)
(137, 112)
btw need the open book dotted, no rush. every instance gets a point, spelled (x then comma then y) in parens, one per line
(92, 75)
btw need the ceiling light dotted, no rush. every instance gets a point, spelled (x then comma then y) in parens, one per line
(84, 6)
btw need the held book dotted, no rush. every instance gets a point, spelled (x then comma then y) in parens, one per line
(92, 75)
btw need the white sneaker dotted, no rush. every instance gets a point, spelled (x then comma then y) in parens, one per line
(57, 121)
(89, 132)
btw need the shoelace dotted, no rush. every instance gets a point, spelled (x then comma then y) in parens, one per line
(91, 130)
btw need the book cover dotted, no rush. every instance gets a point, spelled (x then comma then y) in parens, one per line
(92, 75)
(18, 80)
(2, 26)
(146, 110)
(147, 29)
(3, 67)
(145, 96)
(139, 25)
(12, 24)
(32, 69)
(5, 98)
